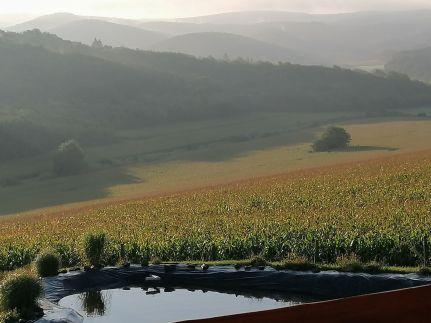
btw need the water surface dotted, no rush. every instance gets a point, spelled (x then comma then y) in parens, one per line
(167, 305)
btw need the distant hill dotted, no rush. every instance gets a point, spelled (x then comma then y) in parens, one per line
(249, 17)
(113, 34)
(357, 18)
(366, 38)
(223, 45)
(45, 22)
(416, 64)
(350, 39)
(339, 42)
(52, 89)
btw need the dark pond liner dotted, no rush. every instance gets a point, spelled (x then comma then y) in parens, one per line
(324, 285)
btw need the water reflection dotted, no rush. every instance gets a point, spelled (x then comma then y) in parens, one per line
(167, 304)
(95, 302)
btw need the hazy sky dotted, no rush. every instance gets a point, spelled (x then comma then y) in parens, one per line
(183, 8)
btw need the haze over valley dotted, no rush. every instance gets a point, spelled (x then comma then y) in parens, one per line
(205, 144)
(135, 93)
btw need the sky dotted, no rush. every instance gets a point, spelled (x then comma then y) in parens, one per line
(186, 8)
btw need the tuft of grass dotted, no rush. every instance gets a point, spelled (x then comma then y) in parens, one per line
(20, 292)
(47, 264)
(94, 247)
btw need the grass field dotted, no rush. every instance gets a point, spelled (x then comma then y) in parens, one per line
(378, 210)
(169, 159)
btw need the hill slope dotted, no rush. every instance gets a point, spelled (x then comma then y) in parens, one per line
(45, 22)
(112, 34)
(416, 64)
(58, 89)
(364, 38)
(219, 45)
(367, 38)
(377, 210)
(249, 17)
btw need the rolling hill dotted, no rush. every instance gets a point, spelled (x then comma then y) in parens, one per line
(339, 42)
(356, 18)
(351, 39)
(45, 22)
(416, 64)
(249, 17)
(112, 34)
(54, 89)
(366, 38)
(222, 45)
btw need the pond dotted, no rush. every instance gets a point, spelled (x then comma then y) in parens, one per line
(169, 305)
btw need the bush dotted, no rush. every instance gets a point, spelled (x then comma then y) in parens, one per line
(68, 159)
(332, 138)
(47, 264)
(20, 292)
(94, 247)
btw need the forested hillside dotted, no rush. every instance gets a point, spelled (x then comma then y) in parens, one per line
(415, 63)
(64, 89)
(225, 45)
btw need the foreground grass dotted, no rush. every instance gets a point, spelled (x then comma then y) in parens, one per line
(377, 210)
(4, 315)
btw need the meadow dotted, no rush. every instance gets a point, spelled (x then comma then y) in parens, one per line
(162, 160)
(377, 210)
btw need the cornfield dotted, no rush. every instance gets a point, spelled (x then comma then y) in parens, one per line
(379, 210)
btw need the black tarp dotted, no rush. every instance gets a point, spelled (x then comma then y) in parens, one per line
(325, 285)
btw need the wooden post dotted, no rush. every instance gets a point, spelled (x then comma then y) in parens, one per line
(426, 251)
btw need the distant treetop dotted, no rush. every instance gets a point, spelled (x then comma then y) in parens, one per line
(97, 43)
(333, 138)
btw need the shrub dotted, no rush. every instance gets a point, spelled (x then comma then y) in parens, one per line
(47, 264)
(94, 247)
(68, 159)
(20, 292)
(332, 138)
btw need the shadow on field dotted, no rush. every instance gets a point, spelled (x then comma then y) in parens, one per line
(368, 148)
(41, 193)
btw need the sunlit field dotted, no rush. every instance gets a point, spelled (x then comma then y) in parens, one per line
(217, 162)
(377, 210)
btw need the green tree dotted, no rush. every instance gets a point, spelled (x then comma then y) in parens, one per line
(332, 138)
(69, 159)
